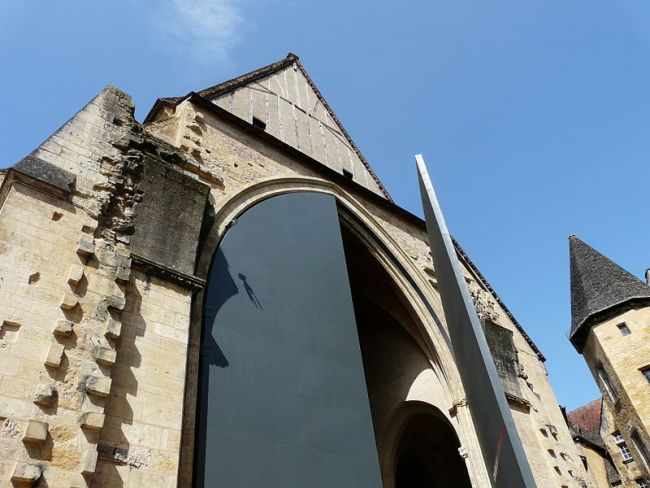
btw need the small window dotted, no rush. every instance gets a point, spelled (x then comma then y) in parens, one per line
(623, 329)
(552, 453)
(557, 470)
(348, 174)
(544, 433)
(641, 483)
(622, 446)
(584, 462)
(646, 372)
(606, 383)
(641, 448)
(259, 123)
(564, 456)
(625, 452)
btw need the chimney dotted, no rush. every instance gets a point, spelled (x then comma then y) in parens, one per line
(647, 276)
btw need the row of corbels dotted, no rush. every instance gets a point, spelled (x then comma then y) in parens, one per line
(94, 384)
(45, 394)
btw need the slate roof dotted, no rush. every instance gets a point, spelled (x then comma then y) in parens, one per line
(291, 59)
(598, 286)
(44, 171)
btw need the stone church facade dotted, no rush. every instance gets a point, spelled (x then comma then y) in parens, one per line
(108, 235)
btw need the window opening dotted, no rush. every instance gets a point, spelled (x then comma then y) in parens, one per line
(646, 372)
(607, 383)
(259, 123)
(623, 329)
(622, 446)
(641, 448)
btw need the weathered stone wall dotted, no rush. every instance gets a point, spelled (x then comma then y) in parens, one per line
(239, 161)
(93, 356)
(596, 471)
(622, 357)
(98, 328)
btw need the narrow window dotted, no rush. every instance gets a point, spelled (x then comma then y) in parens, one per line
(348, 174)
(557, 470)
(646, 372)
(551, 452)
(622, 446)
(607, 383)
(641, 448)
(259, 123)
(584, 462)
(623, 329)
(543, 431)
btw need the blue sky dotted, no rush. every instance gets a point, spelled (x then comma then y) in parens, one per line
(534, 117)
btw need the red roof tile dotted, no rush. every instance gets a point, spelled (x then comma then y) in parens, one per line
(587, 417)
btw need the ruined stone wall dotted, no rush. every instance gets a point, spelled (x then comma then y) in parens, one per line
(93, 355)
(623, 357)
(97, 325)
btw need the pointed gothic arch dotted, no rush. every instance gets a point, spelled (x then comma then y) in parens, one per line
(426, 333)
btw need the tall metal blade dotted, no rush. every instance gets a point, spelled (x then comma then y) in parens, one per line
(502, 450)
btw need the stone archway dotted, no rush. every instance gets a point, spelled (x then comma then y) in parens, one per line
(426, 333)
(427, 452)
(417, 445)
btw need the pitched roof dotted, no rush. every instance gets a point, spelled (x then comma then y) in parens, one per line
(330, 129)
(598, 286)
(584, 423)
(586, 417)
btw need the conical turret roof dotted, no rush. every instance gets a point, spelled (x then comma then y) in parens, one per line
(598, 285)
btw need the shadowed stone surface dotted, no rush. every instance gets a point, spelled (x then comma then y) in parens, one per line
(168, 220)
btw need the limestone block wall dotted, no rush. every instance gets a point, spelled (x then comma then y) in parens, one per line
(140, 441)
(547, 441)
(40, 363)
(239, 161)
(623, 357)
(596, 472)
(92, 347)
(98, 345)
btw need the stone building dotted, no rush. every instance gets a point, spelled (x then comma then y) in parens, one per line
(585, 423)
(226, 293)
(610, 327)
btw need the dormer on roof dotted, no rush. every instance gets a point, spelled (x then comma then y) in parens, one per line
(598, 287)
(282, 100)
